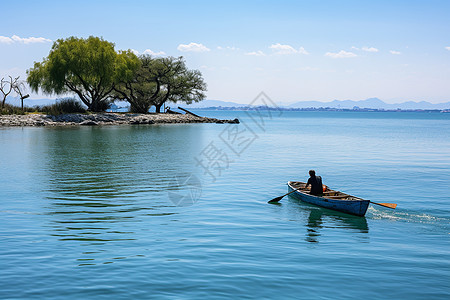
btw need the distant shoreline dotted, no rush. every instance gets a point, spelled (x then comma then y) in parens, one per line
(244, 108)
(104, 119)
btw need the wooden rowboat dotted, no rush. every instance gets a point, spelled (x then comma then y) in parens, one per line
(331, 199)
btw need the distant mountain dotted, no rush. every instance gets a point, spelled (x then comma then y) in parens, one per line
(374, 103)
(30, 102)
(33, 102)
(371, 103)
(207, 103)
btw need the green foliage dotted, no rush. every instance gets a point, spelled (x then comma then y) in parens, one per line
(9, 109)
(138, 88)
(63, 106)
(96, 73)
(158, 80)
(87, 67)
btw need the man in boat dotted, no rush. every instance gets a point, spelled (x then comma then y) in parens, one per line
(316, 184)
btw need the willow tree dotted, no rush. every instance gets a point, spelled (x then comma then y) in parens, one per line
(87, 67)
(159, 80)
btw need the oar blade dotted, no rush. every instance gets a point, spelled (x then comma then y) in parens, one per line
(275, 200)
(390, 205)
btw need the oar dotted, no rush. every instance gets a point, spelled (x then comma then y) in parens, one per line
(275, 200)
(389, 205)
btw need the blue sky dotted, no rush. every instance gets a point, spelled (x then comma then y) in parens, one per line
(292, 50)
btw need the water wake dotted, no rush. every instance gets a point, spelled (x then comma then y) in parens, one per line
(408, 216)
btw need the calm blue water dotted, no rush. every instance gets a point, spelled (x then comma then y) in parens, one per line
(105, 213)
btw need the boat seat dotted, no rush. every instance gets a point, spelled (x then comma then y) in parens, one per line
(338, 197)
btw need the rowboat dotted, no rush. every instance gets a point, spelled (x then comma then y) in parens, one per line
(331, 199)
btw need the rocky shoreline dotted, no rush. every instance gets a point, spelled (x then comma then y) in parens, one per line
(104, 119)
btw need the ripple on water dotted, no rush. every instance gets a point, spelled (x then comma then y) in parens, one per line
(85, 212)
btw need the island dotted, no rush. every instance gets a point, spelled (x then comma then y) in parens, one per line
(94, 119)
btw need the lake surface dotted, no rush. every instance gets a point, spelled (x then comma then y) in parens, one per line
(180, 211)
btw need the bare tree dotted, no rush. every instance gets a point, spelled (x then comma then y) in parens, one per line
(19, 88)
(6, 87)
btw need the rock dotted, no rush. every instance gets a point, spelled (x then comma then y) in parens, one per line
(89, 123)
(69, 118)
(104, 119)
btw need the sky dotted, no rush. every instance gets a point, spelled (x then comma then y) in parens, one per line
(291, 50)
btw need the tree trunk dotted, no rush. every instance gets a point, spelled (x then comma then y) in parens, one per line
(158, 108)
(92, 106)
(98, 106)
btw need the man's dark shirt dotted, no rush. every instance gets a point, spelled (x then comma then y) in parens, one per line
(316, 185)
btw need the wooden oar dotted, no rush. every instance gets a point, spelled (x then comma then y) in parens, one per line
(275, 200)
(389, 205)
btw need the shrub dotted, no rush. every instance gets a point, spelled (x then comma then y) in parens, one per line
(9, 109)
(63, 106)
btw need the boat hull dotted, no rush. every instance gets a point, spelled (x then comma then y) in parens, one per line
(356, 206)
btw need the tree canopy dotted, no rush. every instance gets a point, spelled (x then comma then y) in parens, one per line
(159, 80)
(87, 67)
(97, 74)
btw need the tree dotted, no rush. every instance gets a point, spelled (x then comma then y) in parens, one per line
(19, 88)
(87, 67)
(6, 87)
(141, 88)
(178, 83)
(159, 80)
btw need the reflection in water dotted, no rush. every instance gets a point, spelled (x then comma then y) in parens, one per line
(104, 180)
(332, 220)
(313, 226)
(318, 220)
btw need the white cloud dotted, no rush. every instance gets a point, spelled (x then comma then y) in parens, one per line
(227, 48)
(341, 54)
(148, 51)
(18, 39)
(371, 49)
(192, 47)
(395, 52)
(448, 48)
(367, 49)
(5, 40)
(287, 49)
(255, 53)
(302, 50)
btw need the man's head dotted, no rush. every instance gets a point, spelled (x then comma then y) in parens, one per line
(312, 173)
